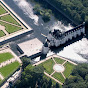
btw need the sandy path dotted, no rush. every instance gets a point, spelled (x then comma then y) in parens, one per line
(10, 23)
(1, 77)
(53, 78)
(4, 14)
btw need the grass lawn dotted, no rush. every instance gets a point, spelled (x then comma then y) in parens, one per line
(48, 65)
(2, 33)
(59, 61)
(2, 10)
(68, 69)
(59, 77)
(53, 82)
(5, 56)
(10, 19)
(9, 69)
(10, 28)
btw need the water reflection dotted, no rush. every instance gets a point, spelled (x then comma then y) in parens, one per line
(77, 51)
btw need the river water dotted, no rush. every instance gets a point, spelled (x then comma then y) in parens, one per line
(76, 51)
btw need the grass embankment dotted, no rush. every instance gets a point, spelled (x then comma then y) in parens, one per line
(2, 33)
(10, 19)
(10, 28)
(48, 65)
(2, 10)
(59, 77)
(5, 56)
(9, 69)
(68, 69)
(59, 61)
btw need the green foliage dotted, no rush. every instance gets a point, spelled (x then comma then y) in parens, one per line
(5, 56)
(2, 11)
(8, 69)
(68, 69)
(33, 77)
(79, 78)
(59, 61)
(59, 77)
(10, 19)
(10, 28)
(2, 33)
(48, 66)
(77, 10)
(25, 61)
(45, 13)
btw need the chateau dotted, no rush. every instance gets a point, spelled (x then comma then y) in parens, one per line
(57, 38)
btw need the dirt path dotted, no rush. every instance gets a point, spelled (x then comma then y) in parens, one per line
(64, 62)
(3, 29)
(63, 75)
(7, 62)
(52, 57)
(54, 60)
(4, 14)
(16, 16)
(53, 78)
(1, 77)
(10, 23)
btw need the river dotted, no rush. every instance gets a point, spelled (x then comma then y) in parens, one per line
(76, 51)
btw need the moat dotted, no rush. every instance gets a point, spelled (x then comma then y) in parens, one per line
(76, 51)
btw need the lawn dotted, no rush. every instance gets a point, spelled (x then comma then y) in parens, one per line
(5, 56)
(2, 11)
(68, 69)
(10, 28)
(48, 65)
(59, 77)
(10, 19)
(59, 61)
(2, 33)
(9, 69)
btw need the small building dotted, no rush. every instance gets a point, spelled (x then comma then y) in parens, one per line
(31, 48)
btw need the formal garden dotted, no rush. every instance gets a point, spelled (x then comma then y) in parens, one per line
(58, 69)
(8, 65)
(10, 23)
(5, 56)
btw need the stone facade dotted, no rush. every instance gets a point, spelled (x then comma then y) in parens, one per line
(57, 38)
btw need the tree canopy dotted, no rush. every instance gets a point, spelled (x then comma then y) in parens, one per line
(78, 78)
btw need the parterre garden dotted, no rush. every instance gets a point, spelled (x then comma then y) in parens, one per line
(9, 21)
(60, 76)
(7, 70)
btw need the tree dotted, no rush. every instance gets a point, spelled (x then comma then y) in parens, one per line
(78, 78)
(57, 85)
(25, 61)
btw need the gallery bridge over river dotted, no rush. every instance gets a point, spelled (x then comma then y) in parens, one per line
(57, 38)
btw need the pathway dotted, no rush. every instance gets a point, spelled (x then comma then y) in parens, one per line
(54, 60)
(64, 62)
(7, 62)
(53, 78)
(1, 77)
(4, 14)
(16, 16)
(63, 75)
(10, 23)
(52, 57)
(3, 29)
(53, 73)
